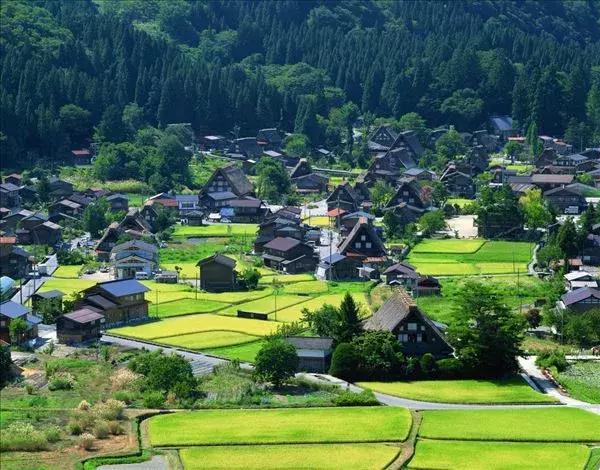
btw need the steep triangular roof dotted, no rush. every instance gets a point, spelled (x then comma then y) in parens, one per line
(361, 227)
(235, 177)
(302, 168)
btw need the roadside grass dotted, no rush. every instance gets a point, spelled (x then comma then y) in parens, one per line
(196, 324)
(460, 257)
(431, 454)
(68, 271)
(582, 380)
(534, 346)
(245, 352)
(535, 425)
(524, 290)
(208, 339)
(216, 230)
(280, 426)
(185, 307)
(321, 456)
(462, 391)
(135, 199)
(266, 304)
(67, 286)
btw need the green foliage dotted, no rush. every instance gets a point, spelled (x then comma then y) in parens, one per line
(250, 278)
(94, 217)
(5, 364)
(364, 398)
(276, 362)
(296, 145)
(449, 146)
(549, 359)
(21, 436)
(431, 222)
(341, 324)
(165, 373)
(272, 180)
(380, 355)
(498, 213)
(536, 211)
(153, 399)
(344, 361)
(16, 329)
(381, 193)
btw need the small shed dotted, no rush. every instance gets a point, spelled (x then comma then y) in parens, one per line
(79, 326)
(194, 217)
(217, 273)
(167, 277)
(314, 352)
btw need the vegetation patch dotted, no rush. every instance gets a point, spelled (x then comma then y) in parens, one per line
(208, 339)
(462, 391)
(185, 307)
(67, 286)
(450, 245)
(582, 380)
(216, 230)
(245, 352)
(497, 455)
(266, 304)
(310, 425)
(551, 424)
(322, 456)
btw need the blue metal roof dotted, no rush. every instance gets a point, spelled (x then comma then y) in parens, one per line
(334, 258)
(12, 309)
(502, 123)
(123, 287)
(6, 283)
(33, 320)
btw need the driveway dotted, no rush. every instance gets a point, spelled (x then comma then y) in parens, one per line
(464, 225)
(320, 209)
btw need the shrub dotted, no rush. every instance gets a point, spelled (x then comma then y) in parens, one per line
(83, 406)
(61, 381)
(86, 441)
(153, 399)
(101, 430)
(364, 398)
(450, 368)
(123, 379)
(52, 434)
(110, 409)
(74, 427)
(548, 359)
(276, 362)
(115, 428)
(30, 389)
(344, 361)
(427, 365)
(21, 436)
(124, 396)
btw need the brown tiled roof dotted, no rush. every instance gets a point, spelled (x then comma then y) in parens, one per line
(282, 243)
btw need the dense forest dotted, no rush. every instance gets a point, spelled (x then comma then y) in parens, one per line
(75, 69)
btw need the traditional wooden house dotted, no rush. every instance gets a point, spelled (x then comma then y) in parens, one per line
(502, 126)
(120, 301)
(289, 255)
(279, 226)
(9, 196)
(217, 273)
(407, 204)
(566, 200)
(247, 146)
(382, 139)
(416, 332)
(187, 203)
(118, 203)
(579, 279)
(343, 197)
(9, 312)
(47, 299)
(165, 200)
(132, 257)
(80, 326)
(269, 139)
(15, 262)
(65, 207)
(14, 178)
(364, 245)
(245, 210)
(590, 253)
(81, 157)
(305, 180)
(457, 182)
(47, 233)
(580, 300)
(338, 267)
(228, 178)
(402, 274)
(59, 188)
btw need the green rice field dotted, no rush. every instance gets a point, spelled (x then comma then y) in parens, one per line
(216, 230)
(245, 352)
(208, 339)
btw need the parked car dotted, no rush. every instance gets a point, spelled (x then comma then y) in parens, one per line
(103, 269)
(141, 275)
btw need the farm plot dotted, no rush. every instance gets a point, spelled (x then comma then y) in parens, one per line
(245, 352)
(280, 426)
(196, 324)
(582, 381)
(321, 456)
(461, 257)
(185, 307)
(67, 286)
(462, 391)
(266, 304)
(68, 271)
(497, 455)
(535, 425)
(208, 339)
(270, 278)
(216, 230)
(294, 312)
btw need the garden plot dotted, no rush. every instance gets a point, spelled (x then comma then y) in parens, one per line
(280, 426)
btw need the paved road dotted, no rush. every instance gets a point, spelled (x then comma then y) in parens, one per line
(31, 286)
(157, 462)
(201, 363)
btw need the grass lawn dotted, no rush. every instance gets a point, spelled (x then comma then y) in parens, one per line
(549, 424)
(67, 286)
(317, 221)
(524, 290)
(185, 307)
(217, 230)
(461, 257)
(208, 339)
(462, 391)
(245, 352)
(68, 271)
(283, 426)
(497, 455)
(321, 456)
(135, 199)
(460, 202)
(266, 304)
(582, 380)
(189, 270)
(196, 324)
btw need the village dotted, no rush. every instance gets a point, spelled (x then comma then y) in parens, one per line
(350, 290)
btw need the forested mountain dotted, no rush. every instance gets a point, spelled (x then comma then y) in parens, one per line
(292, 64)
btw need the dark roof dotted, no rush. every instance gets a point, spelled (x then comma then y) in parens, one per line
(237, 179)
(186, 198)
(282, 243)
(333, 259)
(50, 294)
(310, 342)
(116, 196)
(403, 268)
(550, 178)
(33, 319)
(578, 295)
(101, 301)
(358, 215)
(249, 202)
(222, 195)
(12, 309)
(218, 258)
(362, 223)
(123, 287)
(135, 244)
(271, 134)
(83, 315)
(9, 187)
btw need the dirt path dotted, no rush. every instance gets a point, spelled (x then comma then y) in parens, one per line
(408, 447)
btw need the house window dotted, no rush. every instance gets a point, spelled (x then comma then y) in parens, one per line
(405, 193)
(2, 323)
(363, 238)
(358, 245)
(412, 327)
(419, 338)
(368, 245)
(403, 338)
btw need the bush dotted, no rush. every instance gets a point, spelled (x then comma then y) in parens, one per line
(30, 389)
(344, 361)
(74, 427)
(548, 359)
(427, 365)
(110, 409)
(153, 399)
(83, 406)
(86, 441)
(364, 398)
(114, 427)
(101, 430)
(21, 436)
(124, 396)
(450, 368)
(52, 434)
(61, 381)
(276, 362)
(123, 379)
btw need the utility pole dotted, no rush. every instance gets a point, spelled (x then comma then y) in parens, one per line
(156, 308)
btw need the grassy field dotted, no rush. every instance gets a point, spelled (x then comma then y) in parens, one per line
(540, 425)
(196, 324)
(217, 230)
(245, 352)
(462, 391)
(460, 202)
(266, 304)
(523, 290)
(271, 276)
(208, 339)
(67, 286)
(285, 426)
(454, 257)
(294, 312)
(317, 221)
(321, 456)
(582, 381)
(68, 271)
(306, 287)
(185, 307)
(497, 455)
